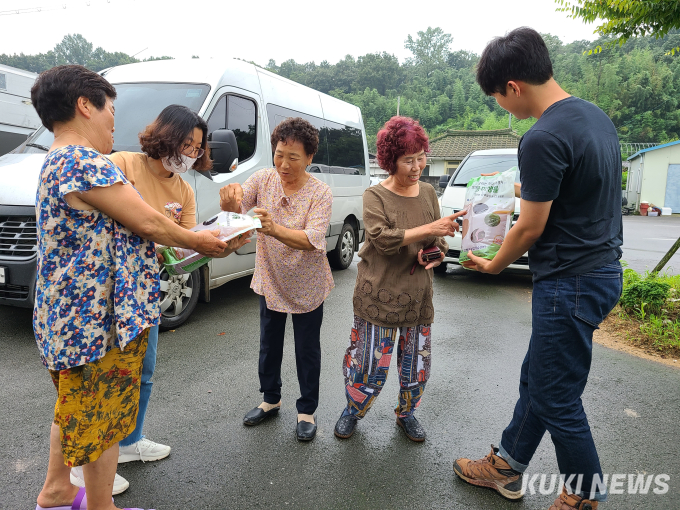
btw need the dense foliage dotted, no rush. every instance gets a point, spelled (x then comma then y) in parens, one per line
(650, 309)
(625, 19)
(637, 84)
(73, 49)
(643, 294)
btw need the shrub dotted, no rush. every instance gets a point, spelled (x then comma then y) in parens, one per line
(645, 296)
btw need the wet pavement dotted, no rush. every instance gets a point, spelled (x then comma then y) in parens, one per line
(205, 381)
(647, 239)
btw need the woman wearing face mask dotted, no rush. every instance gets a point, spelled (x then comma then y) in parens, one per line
(175, 142)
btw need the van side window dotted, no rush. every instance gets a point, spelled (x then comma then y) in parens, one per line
(341, 148)
(345, 149)
(239, 115)
(218, 118)
(3, 81)
(277, 114)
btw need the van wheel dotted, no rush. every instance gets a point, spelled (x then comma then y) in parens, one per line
(342, 255)
(179, 295)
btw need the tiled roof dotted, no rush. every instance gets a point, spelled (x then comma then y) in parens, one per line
(458, 144)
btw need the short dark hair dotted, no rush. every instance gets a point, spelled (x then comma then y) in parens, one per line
(399, 136)
(56, 91)
(165, 136)
(296, 129)
(521, 55)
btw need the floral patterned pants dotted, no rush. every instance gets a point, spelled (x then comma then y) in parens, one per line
(97, 402)
(367, 361)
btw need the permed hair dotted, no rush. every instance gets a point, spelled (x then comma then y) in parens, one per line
(399, 136)
(166, 135)
(519, 56)
(56, 91)
(296, 129)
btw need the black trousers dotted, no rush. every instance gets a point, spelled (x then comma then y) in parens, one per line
(307, 332)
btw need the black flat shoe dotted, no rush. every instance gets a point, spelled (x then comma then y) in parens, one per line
(257, 415)
(305, 431)
(413, 430)
(345, 426)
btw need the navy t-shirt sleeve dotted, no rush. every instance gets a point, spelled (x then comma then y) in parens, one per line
(543, 160)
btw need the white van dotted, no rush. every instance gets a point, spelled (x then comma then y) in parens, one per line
(242, 105)
(453, 199)
(18, 118)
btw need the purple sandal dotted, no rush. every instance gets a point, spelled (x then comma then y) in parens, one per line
(79, 503)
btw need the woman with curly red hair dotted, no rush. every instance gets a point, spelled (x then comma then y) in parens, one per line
(393, 291)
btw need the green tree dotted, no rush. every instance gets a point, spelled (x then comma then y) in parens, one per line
(624, 19)
(430, 50)
(73, 49)
(461, 59)
(380, 71)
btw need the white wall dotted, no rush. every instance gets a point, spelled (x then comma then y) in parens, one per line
(655, 171)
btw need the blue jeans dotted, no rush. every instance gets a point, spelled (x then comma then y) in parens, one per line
(148, 368)
(565, 313)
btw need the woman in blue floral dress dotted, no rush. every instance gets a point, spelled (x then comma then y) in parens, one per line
(97, 286)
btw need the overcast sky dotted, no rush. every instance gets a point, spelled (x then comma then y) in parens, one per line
(257, 30)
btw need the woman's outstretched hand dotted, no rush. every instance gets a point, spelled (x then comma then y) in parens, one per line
(446, 226)
(206, 243)
(231, 197)
(239, 242)
(268, 225)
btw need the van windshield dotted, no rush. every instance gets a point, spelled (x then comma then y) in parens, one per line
(137, 105)
(474, 166)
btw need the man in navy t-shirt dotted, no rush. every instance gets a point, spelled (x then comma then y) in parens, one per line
(570, 222)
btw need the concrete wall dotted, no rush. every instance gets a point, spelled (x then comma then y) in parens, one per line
(437, 167)
(655, 171)
(654, 167)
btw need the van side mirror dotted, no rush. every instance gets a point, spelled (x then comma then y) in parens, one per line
(444, 180)
(224, 150)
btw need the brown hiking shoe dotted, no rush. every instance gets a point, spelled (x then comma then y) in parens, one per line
(572, 502)
(492, 471)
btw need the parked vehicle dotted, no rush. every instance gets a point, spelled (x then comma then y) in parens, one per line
(242, 104)
(453, 199)
(18, 118)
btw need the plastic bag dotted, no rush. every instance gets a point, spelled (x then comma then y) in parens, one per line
(183, 261)
(490, 205)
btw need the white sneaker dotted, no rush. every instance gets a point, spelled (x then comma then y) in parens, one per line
(143, 450)
(120, 484)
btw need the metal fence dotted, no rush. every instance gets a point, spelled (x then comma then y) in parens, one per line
(630, 148)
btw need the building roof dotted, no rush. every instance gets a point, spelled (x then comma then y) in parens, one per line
(458, 144)
(653, 149)
(15, 70)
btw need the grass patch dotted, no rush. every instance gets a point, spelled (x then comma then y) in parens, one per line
(649, 311)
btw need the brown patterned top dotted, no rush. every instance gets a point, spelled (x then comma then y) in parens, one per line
(386, 293)
(292, 281)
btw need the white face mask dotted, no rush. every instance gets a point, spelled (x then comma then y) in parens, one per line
(171, 166)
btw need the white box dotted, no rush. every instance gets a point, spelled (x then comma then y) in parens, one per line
(666, 211)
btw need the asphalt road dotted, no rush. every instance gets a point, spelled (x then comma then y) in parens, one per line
(206, 381)
(647, 239)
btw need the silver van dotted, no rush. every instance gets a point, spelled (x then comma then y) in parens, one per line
(242, 105)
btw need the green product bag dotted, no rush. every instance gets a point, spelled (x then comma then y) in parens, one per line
(490, 206)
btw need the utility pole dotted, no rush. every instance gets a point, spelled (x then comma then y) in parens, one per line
(509, 120)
